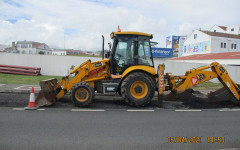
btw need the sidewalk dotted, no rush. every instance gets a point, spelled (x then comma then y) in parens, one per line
(18, 88)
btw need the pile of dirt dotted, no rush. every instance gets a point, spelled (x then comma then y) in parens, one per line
(197, 99)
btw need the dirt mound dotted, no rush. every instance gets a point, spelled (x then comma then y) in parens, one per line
(198, 99)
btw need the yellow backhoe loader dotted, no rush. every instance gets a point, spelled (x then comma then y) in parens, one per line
(128, 69)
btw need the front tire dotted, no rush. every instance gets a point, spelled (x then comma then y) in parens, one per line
(82, 94)
(138, 89)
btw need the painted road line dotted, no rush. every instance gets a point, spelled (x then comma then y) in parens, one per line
(87, 110)
(188, 110)
(29, 89)
(227, 109)
(34, 87)
(136, 110)
(18, 109)
(19, 87)
(41, 109)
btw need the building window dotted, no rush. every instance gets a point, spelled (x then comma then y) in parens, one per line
(24, 45)
(225, 45)
(235, 46)
(232, 29)
(195, 36)
(232, 46)
(221, 44)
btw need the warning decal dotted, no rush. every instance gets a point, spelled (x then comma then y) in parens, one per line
(194, 80)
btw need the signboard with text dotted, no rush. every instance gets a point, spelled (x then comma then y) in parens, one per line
(162, 52)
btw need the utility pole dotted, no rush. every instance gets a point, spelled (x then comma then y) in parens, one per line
(64, 41)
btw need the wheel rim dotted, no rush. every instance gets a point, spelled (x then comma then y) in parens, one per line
(139, 89)
(81, 94)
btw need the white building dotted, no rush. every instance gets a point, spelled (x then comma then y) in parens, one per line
(217, 28)
(59, 52)
(201, 42)
(30, 47)
(2, 47)
(234, 29)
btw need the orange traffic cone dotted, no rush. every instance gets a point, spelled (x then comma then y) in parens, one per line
(31, 104)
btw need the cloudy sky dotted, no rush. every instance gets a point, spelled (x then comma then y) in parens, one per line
(82, 22)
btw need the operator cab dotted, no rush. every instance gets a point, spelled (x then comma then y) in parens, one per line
(130, 49)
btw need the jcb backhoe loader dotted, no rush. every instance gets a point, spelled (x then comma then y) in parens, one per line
(128, 70)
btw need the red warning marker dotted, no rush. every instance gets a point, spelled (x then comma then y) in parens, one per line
(31, 104)
(194, 80)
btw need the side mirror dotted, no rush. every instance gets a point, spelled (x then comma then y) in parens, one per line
(107, 55)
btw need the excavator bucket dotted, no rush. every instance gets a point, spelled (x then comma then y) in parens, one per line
(47, 95)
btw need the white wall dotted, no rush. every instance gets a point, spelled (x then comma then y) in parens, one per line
(50, 64)
(201, 37)
(218, 29)
(235, 28)
(216, 44)
(27, 50)
(59, 52)
(60, 65)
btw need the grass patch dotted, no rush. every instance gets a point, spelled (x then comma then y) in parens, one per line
(208, 86)
(24, 79)
(34, 80)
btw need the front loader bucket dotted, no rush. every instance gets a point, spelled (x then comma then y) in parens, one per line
(47, 95)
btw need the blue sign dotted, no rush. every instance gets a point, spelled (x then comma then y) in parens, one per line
(162, 52)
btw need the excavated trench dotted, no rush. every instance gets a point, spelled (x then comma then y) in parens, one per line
(190, 99)
(204, 99)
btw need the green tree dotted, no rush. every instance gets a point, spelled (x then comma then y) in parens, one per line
(41, 53)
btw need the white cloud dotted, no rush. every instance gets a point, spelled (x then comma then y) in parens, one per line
(45, 21)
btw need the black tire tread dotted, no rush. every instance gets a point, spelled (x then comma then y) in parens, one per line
(124, 88)
(87, 86)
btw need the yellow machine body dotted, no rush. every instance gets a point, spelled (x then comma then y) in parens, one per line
(143, 78)
(87, 72)
(149, 70)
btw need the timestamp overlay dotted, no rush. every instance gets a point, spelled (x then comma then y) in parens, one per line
(195, 139)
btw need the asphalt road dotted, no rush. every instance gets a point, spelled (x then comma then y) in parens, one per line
(62, 128)
(116, 102)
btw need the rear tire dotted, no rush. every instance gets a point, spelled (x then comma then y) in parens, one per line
(138, 89)
(82, 94)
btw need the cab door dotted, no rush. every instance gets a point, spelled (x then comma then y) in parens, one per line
(123, 53)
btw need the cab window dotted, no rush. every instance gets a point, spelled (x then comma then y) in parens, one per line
(144, 53)
(124, 54)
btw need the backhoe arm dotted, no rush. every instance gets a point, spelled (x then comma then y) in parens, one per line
(87, 72)
(225, 79)
(201, 75)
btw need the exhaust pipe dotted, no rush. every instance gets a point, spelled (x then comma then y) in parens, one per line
(103, 47)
